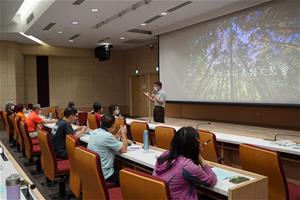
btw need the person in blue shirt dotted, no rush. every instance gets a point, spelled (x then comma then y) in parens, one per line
(103, 142)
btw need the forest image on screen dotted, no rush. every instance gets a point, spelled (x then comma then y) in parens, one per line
(253, 56)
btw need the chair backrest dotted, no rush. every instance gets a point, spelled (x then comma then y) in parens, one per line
(71, 143)
(265, 162)
(119, 122)
(209, 149)
(137, 130)
(59, 113)
(20, 135)
(92, 121)
(90, 173)
(138, 185)
(44, 111)
(53, 111)
(2, 117)
(7, 128)
(11, 121)
(164, 136)
(82, 118)
(47, 153)
(27, 139)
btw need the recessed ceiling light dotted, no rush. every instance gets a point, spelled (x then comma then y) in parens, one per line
(143, 24)
(60, 32)
(74, 23)
(94, 10)
(122, 38)
(71, 40)
(163, 13)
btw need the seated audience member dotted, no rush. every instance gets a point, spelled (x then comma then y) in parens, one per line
(114, 110)
(10, 108)
(97, 110)
(20, 109)
(61, 129)
(33, 119)
(107, 145)
(71, 104)
(182, 167)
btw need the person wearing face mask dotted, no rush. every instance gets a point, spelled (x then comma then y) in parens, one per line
(114, 110)
(158, 98)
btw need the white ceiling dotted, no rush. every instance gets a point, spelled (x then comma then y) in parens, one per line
(63, 13)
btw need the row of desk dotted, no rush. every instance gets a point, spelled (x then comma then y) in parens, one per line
(236, 139)
(10, 166)
(255, 188)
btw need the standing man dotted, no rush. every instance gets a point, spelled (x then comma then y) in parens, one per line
(158, 98)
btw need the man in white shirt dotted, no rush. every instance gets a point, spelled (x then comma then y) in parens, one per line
(158, 98)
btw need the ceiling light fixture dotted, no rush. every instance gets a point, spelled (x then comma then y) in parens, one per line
(60, 32)
(163, 13)
(71, 40)
(94, 10)
(74, 23)
(35, 39)
(143, 24)
(122, 38)
(25, 9)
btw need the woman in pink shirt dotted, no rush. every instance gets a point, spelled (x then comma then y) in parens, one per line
(182, 167)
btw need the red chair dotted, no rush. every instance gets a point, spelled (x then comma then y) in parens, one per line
(53, 167)
(32, 147)
(91, 176)
(82, 118)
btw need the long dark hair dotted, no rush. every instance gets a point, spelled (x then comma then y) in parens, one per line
(184, 143)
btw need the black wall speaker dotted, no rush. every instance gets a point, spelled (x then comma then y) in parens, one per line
(102, 52)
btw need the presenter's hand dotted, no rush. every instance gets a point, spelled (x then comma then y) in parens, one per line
(146, 93)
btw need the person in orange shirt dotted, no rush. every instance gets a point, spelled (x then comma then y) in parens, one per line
(33, 119)
(20, 112)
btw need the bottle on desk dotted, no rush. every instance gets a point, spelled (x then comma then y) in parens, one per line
(13, 186)
(146, 140)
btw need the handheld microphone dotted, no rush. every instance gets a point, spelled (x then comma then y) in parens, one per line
(205, 123)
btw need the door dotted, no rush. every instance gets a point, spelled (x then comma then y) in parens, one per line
(139, 100)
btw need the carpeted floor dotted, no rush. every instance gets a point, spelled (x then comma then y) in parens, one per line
(47, 192)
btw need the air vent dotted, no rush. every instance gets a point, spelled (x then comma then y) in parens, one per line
(29, 18)
(74, 36)
(78, 2)
(135, 41)
(140, 31)
(104, 39)
(179, 6)
(50, 25)
(152, 19)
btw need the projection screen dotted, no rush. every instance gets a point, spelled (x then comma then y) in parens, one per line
(252, 56)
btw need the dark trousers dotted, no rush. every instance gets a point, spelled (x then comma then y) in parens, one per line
(159, 114)
(114, 177)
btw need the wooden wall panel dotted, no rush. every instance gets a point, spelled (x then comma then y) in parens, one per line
(278, 117)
